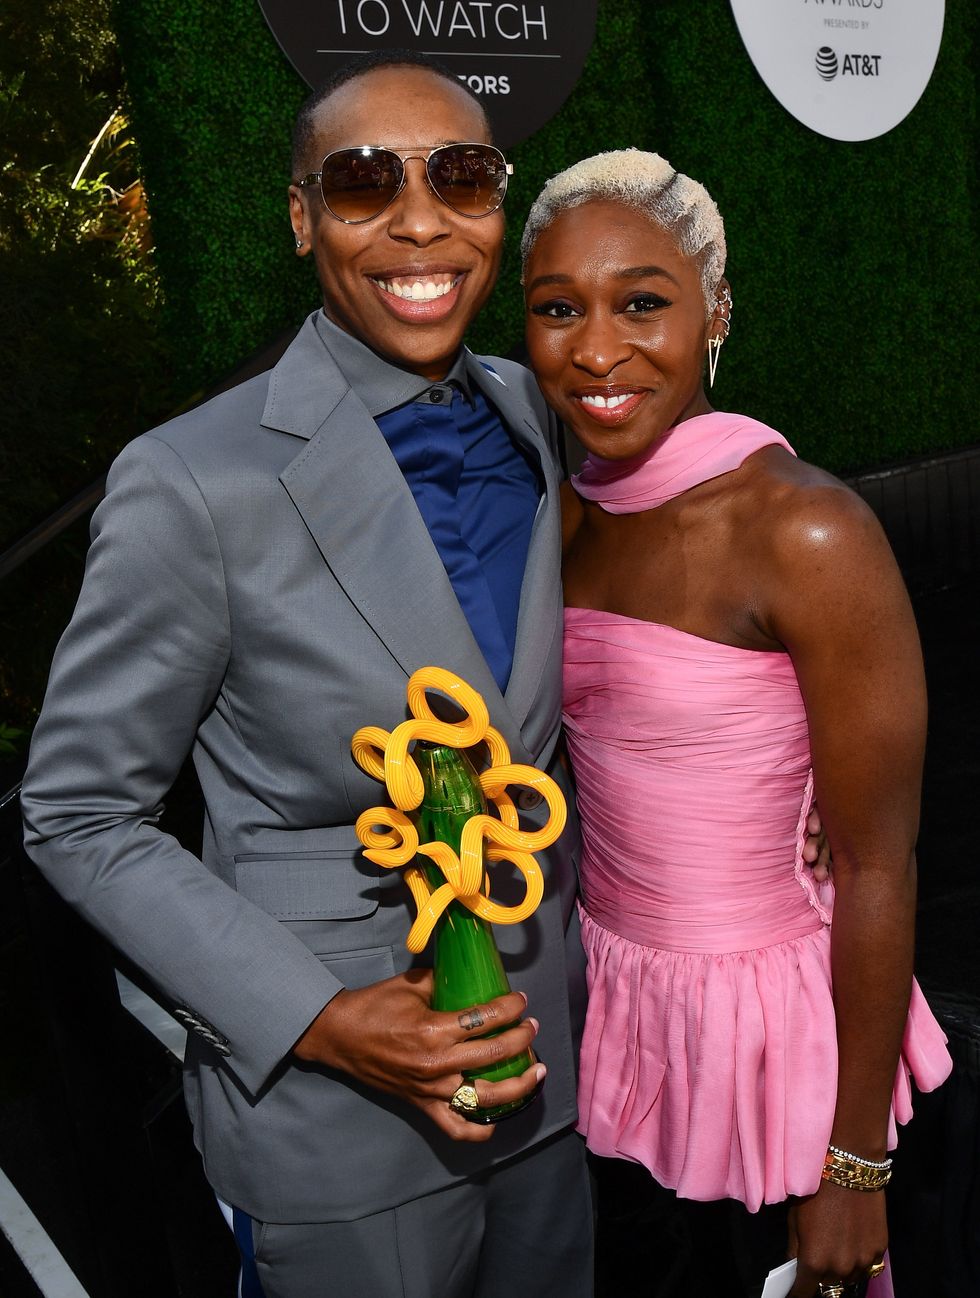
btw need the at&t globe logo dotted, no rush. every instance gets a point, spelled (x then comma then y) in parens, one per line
(826, 63)
(851, 65)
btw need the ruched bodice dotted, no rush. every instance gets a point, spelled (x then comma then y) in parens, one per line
(699, 848)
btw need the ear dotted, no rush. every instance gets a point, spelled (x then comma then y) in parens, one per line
(301, 221)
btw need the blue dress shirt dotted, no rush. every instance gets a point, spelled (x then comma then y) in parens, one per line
(477, 494)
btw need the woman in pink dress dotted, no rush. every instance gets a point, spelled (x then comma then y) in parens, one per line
(738, 641)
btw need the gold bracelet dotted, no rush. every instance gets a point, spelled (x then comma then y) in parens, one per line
(854, 1173)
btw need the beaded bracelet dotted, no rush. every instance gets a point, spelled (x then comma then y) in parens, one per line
(852, 1172)
(855, 1158)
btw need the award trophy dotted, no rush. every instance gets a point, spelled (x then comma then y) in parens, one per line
(439, 829)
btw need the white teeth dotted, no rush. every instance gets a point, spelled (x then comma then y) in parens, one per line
(606, 403)
(419, 291)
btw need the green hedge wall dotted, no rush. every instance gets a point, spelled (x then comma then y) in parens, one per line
(855, 325)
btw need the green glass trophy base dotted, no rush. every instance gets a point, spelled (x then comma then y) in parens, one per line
(467, 969)
(467, 972)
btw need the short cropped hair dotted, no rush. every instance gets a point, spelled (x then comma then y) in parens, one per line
(304, 128)
(648, 183)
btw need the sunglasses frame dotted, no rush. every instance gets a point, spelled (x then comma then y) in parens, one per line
(316, 178)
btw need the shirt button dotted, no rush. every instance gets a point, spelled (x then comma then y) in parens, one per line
(437, 395)
(529, 799)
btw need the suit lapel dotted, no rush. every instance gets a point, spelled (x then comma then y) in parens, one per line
(541, 605)
(359, 510)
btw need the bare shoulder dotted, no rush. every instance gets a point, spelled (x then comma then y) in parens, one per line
(821, 570)
(803, 515)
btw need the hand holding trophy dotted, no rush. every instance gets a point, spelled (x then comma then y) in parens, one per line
(439, 829)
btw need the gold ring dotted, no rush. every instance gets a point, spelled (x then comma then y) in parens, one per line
(465, 1099)
(876, 1269)
(832, 1289)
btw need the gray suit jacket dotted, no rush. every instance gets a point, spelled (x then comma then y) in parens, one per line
(260, 584)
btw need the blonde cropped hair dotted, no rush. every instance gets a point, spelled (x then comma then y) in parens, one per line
(648, 183)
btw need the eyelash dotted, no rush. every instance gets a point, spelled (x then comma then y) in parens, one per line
(641, 304)
(652, 301)
(551, 309)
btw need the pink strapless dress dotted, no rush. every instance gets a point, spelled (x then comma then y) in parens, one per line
(710, 1052)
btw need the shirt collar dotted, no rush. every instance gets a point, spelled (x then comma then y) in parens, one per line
(379, 384)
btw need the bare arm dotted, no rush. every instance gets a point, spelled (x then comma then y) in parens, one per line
(860, 672)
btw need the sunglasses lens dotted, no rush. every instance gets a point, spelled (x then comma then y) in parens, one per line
(470, 178)
(359, 183)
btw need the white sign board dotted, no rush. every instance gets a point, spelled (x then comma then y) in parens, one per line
(848, 69)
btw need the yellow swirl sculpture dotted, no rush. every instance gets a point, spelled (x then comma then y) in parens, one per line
(391, 839)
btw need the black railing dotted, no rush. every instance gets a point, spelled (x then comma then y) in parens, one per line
(38, 537)
(90, 1134)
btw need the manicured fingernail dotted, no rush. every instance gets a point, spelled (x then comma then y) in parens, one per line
(534, 1023)
(540, 1072)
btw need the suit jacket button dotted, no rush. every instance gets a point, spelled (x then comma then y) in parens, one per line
(529, 799)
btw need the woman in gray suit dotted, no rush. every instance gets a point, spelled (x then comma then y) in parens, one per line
(265, 573)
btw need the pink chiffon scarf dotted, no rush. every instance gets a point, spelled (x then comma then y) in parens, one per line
(687, 454)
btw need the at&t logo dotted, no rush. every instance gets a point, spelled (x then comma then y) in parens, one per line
(826, 63)
(851, 65)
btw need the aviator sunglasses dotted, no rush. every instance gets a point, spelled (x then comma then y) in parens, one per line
(358, 184)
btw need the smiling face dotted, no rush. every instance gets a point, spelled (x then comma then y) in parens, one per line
(409, 281)
(616, 327)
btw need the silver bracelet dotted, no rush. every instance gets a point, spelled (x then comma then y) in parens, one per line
(865, 1162)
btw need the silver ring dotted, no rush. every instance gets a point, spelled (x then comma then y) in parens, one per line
(465, 1099)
